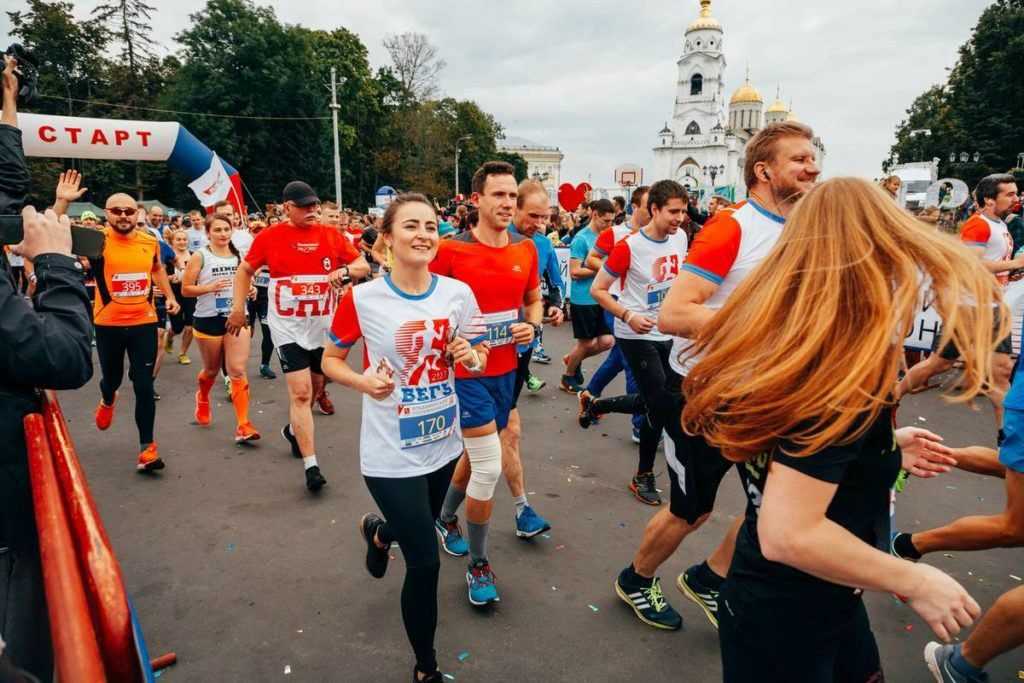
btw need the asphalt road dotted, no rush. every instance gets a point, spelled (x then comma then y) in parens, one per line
(236, 568)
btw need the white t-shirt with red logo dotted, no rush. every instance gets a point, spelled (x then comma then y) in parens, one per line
(645, 268)
(993, 236)
(724, 252)
(415, 430)
(606, 241)
(300, 298)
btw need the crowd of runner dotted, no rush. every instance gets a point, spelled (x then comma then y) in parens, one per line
(449, 307)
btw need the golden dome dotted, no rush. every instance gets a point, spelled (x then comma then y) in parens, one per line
(792, 117)
(705, 20)
(778, 107)
(744, 94)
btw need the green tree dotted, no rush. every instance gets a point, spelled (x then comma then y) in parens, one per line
(130, 22)
(979, 108)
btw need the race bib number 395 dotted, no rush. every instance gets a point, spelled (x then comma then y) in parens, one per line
(124, 285)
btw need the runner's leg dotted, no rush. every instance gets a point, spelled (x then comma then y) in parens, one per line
(300, 412)
(236, 354)
(142, 354)
(1000, 630)
(111, 346)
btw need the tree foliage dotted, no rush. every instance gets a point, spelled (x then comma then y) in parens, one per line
(237, 61)
(979, 108)
(416, 64)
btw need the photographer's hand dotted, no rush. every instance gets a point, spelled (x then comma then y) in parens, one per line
(44, 234)
(10, 95)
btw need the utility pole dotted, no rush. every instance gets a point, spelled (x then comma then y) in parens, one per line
(460, 140)
(334, 120)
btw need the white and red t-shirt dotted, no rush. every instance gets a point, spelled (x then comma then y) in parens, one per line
(725, 251)
(300, 299)
(645, 269)
(415, 430)
(606, 241)
(981, 231)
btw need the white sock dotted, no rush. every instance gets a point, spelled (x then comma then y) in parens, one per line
(309, 461)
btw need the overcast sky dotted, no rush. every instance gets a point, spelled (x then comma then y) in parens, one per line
(597, 78)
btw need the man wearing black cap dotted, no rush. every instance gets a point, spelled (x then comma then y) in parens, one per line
(307, 262)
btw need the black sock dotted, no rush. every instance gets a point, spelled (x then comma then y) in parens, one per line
(707, 576)
(634, 578)
(904, 546)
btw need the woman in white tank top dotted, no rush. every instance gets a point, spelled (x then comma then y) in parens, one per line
(209, 277)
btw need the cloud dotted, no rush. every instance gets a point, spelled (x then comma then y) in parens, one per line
(597, 79)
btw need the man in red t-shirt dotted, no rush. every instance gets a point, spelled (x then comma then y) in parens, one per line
(502, 271)
(309, 264)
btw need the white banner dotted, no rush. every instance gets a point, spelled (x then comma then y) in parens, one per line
(928, 324)
(214, 185)
(80, 138)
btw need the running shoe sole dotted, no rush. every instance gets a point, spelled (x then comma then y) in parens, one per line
(247, 438)
(532, 534)
(930, 659)
(625, 598)
(444, 547)
(695, 599)
(296, 453)
(157, 464)
(370, 542)
(636, 494)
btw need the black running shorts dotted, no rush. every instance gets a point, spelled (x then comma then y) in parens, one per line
(295, 358)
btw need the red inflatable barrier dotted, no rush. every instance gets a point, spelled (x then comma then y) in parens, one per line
(99, 569)
(75, 646)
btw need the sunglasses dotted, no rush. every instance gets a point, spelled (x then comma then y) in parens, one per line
(117, 211)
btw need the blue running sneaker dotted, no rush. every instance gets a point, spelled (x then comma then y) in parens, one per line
(937, 656)
(451, 537)
(636, 435)
(529, 523)
(481, 584)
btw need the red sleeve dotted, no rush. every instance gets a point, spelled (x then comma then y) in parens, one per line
(344, 250)
(257, 256)
(345, 330)
(534, 281)
(442, 263)
(618, 261)
(605, 242)
(975, 232)
(714, 249)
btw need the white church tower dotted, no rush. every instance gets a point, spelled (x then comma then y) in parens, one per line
(701, 84)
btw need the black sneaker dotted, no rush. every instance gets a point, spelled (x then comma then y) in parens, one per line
(586, 416)
(644, 489)
(701, 595)
(648, 602)
(286, 434)
(376, 557)
(314, 480)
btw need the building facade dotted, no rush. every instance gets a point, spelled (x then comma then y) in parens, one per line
(543, 163)
(702, 146)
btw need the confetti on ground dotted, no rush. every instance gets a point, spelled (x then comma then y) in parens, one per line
(532, 493)
(569, 480)
(921, 419)
(1015, 577)
(158, 674)
(449, 677)
(575, 467)
(908, 628)
(231, 546)
(593, 608)
(299, 631)
(287, 669)
(334, 521)
(545, 535)
(463, 656)
(970, 573)
(951, 488)
(554, 588)
(559, 547)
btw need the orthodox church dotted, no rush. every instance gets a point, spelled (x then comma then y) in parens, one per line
(699, 147)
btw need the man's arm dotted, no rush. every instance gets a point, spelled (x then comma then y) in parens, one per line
(594, 261)
(14, 178)
(10, 94)
(48, 347)
(578, 271)
(164, 283)
(998, 266)
(67, 191)
(683, 312)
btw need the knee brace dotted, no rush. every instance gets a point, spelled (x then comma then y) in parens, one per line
(485, 465)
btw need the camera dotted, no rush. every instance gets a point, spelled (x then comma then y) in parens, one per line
(27, 71)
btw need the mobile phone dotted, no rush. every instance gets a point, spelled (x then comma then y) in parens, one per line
(86, 242)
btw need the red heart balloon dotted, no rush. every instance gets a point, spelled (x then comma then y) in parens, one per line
(570, 197)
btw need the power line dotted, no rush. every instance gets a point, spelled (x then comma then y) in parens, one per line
(188, 113)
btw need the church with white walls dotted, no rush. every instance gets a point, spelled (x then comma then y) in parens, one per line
(699, 147)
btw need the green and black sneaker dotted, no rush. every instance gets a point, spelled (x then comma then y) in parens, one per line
(648, 602)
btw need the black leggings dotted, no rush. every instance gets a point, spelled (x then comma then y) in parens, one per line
(410, 506)
(649, 362)
(784, 640)
(139, 342)
(258, 311)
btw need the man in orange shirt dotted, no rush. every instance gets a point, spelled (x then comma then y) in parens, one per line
(126, 320)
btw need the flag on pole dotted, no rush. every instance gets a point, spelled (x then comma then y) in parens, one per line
(214, 185)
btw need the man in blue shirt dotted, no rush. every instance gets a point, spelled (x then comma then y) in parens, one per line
(589, 326)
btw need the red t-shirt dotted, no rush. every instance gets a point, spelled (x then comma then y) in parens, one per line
(500, 277)
(300, 297)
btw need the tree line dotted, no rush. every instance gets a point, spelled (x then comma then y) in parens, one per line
(256, 91)
(980, 107)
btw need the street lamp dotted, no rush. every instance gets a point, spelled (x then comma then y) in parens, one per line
(714, 172)
(462, 139)
(335, 107)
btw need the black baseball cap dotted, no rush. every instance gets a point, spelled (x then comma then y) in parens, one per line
(300, 194)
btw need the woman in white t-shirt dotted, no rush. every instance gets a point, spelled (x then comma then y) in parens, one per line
(209, 277)
(415, 326)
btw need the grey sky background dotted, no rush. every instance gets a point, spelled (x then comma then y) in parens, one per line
(597, 79)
